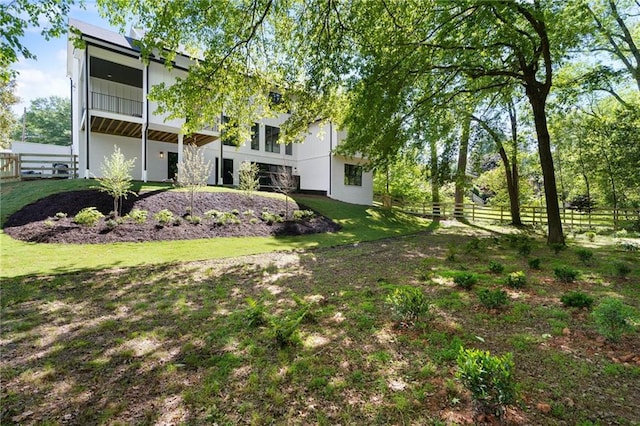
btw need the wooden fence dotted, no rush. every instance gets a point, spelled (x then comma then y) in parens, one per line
(37, 166)
(534, 215)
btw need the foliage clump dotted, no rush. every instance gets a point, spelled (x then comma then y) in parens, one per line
(408, 305)
(576, 299)
(614, 319)
(534, 263)
(89, 216)
(496, 267)
(517, 279)
(138, 216)
(164, 217)
(299, 215)
(621, 268)
(488, 378)
(566, 274)
(465, 280)
(493, 299)
(116, 178)
(585, 255)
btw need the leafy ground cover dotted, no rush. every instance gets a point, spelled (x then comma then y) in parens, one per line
(309, 337)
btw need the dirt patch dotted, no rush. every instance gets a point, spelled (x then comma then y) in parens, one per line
(37, 222)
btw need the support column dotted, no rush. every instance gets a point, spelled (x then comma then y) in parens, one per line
(87, 108)
(180, 147)
(145, 118)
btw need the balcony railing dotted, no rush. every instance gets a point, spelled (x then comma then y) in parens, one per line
(116, 104)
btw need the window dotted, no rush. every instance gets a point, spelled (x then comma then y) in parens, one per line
(288, 149)
(275, 98)
(255, 137)
(229, 139)
(271, 135)
(267, 171)
(352, 175)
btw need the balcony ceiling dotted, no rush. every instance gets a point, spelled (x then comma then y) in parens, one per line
(129, 129)
(107, 70)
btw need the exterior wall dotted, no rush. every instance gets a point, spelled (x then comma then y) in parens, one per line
(103, 145)
(159, 74)
(39, 148)
(314, 159)
(349, 193)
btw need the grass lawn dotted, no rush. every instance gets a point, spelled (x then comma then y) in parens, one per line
(20, 258)
(307, 336)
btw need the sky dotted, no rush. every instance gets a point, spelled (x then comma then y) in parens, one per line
(47, 74)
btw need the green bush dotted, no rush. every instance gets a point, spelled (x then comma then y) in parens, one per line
(534, 263)
(138, 216)
(517, 279)
(557, 247)
(496, 267)
(408, 304)
(465, 280)
(284, 330)
(591, 236)
(621, 268)
(60, 215)
(585, 255)
(164, 217)
(488, 378)
(614, 319)
(271, 218)
(88, 216)
(566, 274)
(111, 224)
(194, 220)
(299, 215)
(525, 248)
(493, 299)
(576, 299)
(256, 314)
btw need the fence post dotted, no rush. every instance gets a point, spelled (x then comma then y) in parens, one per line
(473, 211)
(501, 213)
(533, 209)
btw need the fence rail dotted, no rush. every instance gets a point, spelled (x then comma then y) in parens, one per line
(596, 218)
(37, 166)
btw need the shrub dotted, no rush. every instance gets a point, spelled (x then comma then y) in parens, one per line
(194, 220)
(408, 304)
(557, 247)
(177, 221)
(49, 223)
(493, 299)
(111, 224)
(212, 214)
(488, 378)
(60, 215)
(256, 313)
(496, 267)
(576, 299)
(253, 220)
(235, 212)
(164, 217)
(584, 255)
(534, 263)
(451, 253)
(303, 215)
(566, 274)
(138, 216)
(628, 246)
(465, 280)
(621, 268)
(248, 212)
(88, 216)
(516, 279)
(524, 248)
(591, 236)
(271, 218)
(284, 330)
(613, 318)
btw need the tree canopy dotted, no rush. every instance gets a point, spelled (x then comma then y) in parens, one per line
(47, 120)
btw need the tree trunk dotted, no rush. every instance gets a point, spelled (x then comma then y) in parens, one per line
(537, 101)
(461, 172)
(513, 187)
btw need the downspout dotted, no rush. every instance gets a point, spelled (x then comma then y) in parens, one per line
(220, 181)
(330, 151)
(73, 166)
(87, 124)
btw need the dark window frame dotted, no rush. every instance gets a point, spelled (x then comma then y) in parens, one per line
(352, 175)
(255, 137)
(271, 135)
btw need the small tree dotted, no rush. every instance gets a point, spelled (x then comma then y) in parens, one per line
(116, 178)
(284, 183)
(249, 179)
(193, 172)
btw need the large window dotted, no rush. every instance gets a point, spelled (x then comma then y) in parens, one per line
(255, 137)
(352, 175)
(271, 135)
(288, 149)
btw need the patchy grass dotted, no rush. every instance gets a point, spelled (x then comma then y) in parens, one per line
(171, 343)
(360, 223)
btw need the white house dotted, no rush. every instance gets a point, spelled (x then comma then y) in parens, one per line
(109, 87)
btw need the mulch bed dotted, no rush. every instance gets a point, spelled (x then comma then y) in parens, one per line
(35, 222)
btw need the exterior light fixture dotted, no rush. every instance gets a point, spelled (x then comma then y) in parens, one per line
(161, 154)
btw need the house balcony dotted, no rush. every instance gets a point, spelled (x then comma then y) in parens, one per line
(115, 104)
